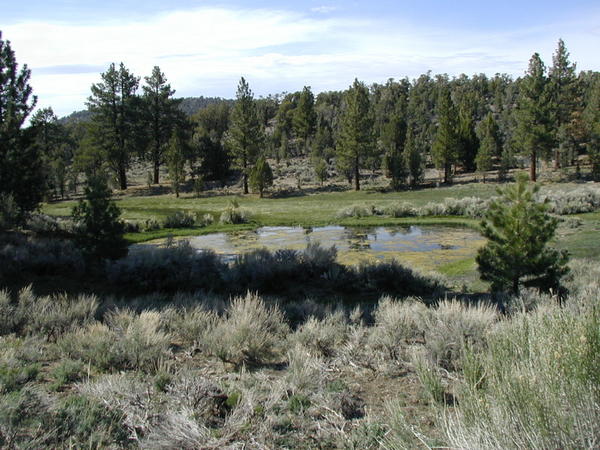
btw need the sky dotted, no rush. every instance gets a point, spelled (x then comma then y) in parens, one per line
(205, 46)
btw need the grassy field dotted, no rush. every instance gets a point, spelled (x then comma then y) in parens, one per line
(312, 208)
(306, 209)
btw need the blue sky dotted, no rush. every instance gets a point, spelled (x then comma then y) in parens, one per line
(204, 46)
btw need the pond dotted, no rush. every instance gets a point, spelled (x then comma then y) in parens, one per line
(423, 247)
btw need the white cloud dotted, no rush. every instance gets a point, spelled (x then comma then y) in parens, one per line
(323, 9)
(205, 51)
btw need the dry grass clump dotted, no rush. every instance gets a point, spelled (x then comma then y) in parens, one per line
(398, 324)
(49, 316)
(451, 326)
(126, 342)
(190, 326)
(357, 211)
(249, 332)
(539, 385)
(322, 337)
(233, 214)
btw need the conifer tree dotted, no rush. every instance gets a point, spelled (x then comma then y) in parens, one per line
(160, 116)
(115, 116)
(21, 168)
(261, 176)
(245, 132)
(533, 114)
(518, 229)
(321, 170)
(591, 118)
(176, 156)
(489, 145)
(562, 87)
(467, 138)
(446, 143)
(356, 135)
(412, 159)
(99, 230)
(305, 118)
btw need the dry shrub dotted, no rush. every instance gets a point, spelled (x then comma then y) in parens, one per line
(322, 336)
(452, 325)
(540, 385)
(127, 341)
(190, 326)
(398, 324)
(50, 316)
(248, 333)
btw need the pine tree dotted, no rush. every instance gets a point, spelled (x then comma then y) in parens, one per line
(99, 230)
(533, 114)
(55, 146)
(176, 157)
(562, 87)
(321, 170)
(591, 118)
(412, 159)
(115, 116)
(21, 165)
(160, 117)
(305, 118)
(245, 132)
(467, 138)
(518, 229)
(446, 144)
(261, 176)
(356, 135)
(488, 137)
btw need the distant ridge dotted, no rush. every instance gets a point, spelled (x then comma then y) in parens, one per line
(189, 105)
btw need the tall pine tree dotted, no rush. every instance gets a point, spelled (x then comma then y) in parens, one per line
(115, 117)
(533, 114)
(160, 115)
(446, 144)
(245, 131)
(305, 118)
(591, 119)
(21, 166)
(562, 87)
(356, 136)
(489, 144)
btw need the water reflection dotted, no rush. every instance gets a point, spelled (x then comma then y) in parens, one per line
(422, 247)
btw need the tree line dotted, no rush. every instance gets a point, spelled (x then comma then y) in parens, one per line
(460, 124)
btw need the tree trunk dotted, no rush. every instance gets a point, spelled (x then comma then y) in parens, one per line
(156, 171)
(515, 286)
(122, 175)
(557, 158)
(533, 168)
(447, 169)
(356, 176)
(245, 169)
